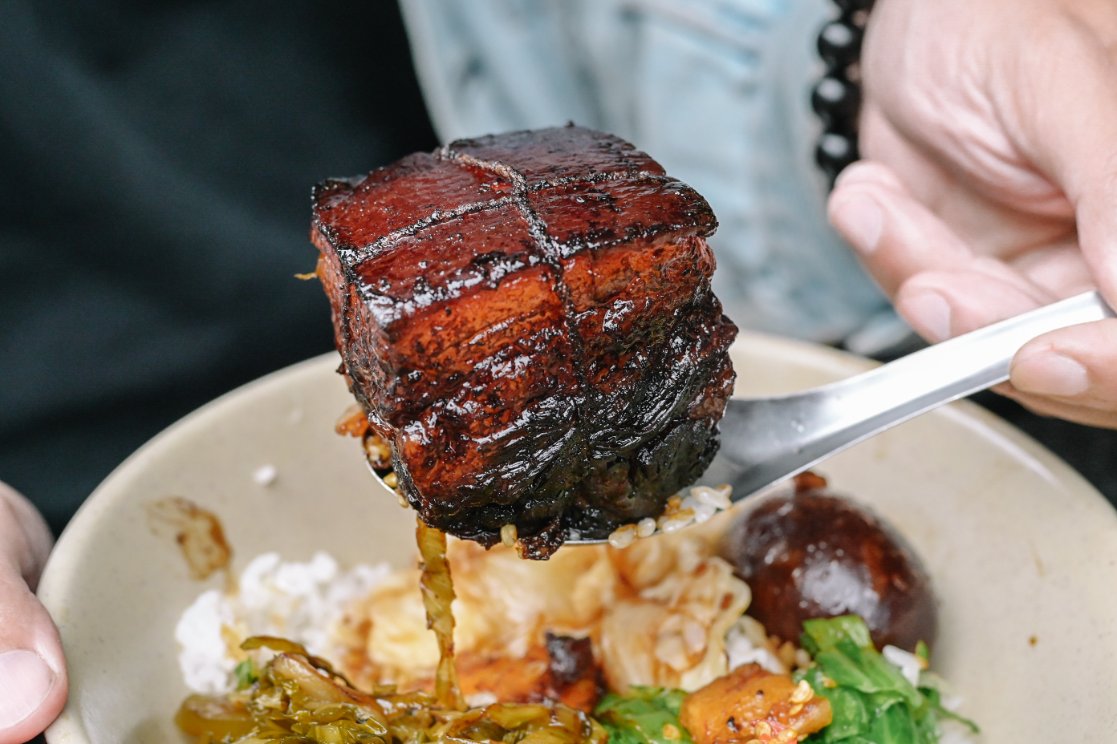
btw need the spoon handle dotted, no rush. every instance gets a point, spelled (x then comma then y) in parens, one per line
(766, 440)
(960, 366)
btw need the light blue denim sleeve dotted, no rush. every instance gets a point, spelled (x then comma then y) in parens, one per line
(716, 90)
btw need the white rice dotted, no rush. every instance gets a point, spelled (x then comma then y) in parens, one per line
(908, 663)
(265, 475)
(695, 505)
(302, 602)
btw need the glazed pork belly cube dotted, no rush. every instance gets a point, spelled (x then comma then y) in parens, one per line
(527, 319)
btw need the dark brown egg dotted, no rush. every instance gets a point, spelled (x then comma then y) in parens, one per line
(814, 554)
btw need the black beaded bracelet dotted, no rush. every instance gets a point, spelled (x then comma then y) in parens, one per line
(836, 98)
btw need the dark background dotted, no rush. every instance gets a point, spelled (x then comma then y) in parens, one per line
(155, 169)
(156, 161)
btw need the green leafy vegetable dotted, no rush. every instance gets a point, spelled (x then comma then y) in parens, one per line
(645, 715)
(822, 634)
(872, 702)
(245, 674)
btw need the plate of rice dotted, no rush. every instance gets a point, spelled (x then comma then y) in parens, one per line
(252, 519)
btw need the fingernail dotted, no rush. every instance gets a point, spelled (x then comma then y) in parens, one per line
(861, 220)
(25, 681)
(1046, 372)
(929, 314)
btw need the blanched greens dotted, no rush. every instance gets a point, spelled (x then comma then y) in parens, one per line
(645, 715)
(872, 701)
(245, 674)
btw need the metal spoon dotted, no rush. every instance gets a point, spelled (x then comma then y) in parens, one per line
(766, 440)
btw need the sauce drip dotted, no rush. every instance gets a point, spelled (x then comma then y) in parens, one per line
(299, 697)
(438, 596)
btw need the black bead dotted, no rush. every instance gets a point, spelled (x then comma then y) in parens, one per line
(836, 98)
(852, 6)
(835, 151)
(836, 101)
(839, 44)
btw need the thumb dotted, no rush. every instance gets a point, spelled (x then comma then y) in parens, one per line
(33, 682)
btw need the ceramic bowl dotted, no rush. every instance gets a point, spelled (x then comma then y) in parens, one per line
(1022, 551)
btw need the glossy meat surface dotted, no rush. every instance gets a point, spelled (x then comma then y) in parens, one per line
(527, 319)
